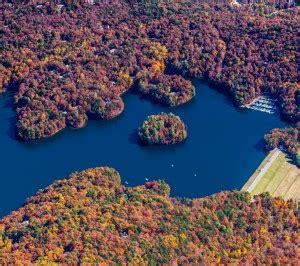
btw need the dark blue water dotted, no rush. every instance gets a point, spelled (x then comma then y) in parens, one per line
(221, 152)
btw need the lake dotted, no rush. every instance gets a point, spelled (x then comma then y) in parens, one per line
(223, 148)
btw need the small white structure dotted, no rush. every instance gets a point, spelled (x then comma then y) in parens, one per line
(59, 7)
(91, 2)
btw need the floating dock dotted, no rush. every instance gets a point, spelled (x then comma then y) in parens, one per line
(264, 104)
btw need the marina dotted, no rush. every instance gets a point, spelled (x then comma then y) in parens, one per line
(264, 104)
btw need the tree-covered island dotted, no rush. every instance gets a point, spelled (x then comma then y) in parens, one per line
(162, 129)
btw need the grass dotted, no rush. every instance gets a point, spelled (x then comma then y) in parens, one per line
(251, 179)
(282, 179)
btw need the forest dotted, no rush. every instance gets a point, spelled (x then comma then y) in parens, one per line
(91, 218)
(70, 61)
(162, 129)
(66, 62)
(287, 139)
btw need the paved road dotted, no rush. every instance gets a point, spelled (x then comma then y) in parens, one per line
(263, 170)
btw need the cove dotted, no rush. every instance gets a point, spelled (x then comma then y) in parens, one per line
(223, 148)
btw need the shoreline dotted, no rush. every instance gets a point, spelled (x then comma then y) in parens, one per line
(261, 170)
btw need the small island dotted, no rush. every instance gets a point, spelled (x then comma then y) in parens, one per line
(162, 129)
